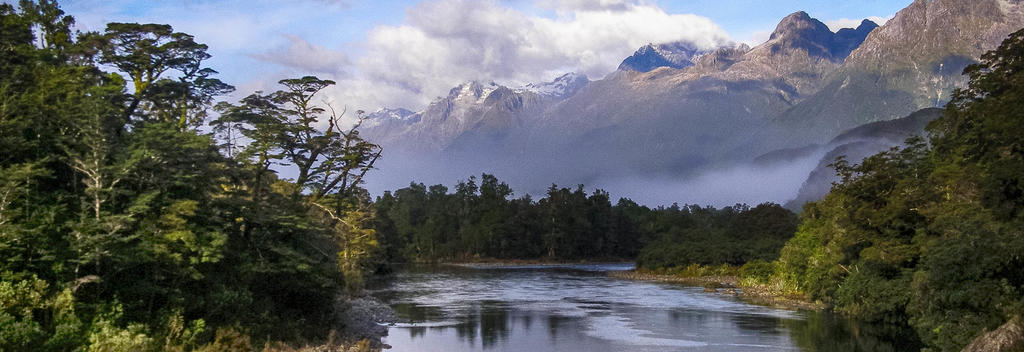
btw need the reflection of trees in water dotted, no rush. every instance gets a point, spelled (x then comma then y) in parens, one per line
(417, 313)
(492, 322)
(489, 319)
(527, 320)
(494, 325)
(760, 324)
(417, 332)
(554, 323)
(688, 317)
(466, 331)
(826, 332)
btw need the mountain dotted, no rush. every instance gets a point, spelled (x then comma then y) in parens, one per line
(800, 31)
(472, 111)
(399, 114)
(848, 39)
(857, 144)
(679, 121)
(561, 88)
(651, 56)
(912, 62)
(675, 111)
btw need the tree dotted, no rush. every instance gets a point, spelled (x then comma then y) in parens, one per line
(146, 52)
(969, 279)
(122, 226)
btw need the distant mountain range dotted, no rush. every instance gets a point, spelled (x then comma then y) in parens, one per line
(674, 110)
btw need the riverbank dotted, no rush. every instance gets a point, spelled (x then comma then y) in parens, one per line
(728, 285)
(364, 318)
(534, 264)
(519, 262)
(361, 324)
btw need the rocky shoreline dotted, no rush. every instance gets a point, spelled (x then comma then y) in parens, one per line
(364, 318)
(728, 285)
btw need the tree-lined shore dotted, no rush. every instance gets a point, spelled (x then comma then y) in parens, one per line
(141, 210)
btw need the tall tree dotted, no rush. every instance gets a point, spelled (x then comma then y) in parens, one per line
(147, 53)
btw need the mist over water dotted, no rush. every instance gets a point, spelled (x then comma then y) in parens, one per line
(719, 186)
(744, 183)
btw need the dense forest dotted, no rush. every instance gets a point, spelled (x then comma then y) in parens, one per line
(126, 224)
(430, 224)
(931, 234)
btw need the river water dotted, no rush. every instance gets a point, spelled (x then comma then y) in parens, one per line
(573, 308)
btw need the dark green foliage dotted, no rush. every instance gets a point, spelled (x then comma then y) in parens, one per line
(929, 234)
(123, 226)
(484, 221)
(421, 224)
(706, 236)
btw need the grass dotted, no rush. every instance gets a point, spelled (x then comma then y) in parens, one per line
(750, 282)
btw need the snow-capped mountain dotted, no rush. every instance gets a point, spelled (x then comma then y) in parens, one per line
(679, 54)
(470, 109)
(388, 115)
(715, 109)
(562, 87)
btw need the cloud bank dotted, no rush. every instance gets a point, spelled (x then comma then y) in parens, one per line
(306, 57)
(444, 43)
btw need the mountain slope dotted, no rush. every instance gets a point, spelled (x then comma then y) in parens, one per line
(857, 144)
(651, 56)
(912, 62)
(675, 121)
(675, 111)
(470, 109)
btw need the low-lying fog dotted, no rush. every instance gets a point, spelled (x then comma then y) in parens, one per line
(721, 186)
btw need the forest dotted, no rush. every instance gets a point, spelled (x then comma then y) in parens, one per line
(431, 224)
(141, 210)
(928, 236)
(132, 219)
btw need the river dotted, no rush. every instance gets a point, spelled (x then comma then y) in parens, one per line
(572, 308)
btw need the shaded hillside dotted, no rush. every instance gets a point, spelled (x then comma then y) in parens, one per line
(857, 144)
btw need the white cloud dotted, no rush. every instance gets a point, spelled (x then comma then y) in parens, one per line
(837, 24)
(447, 42)
(307, 58)
(588, 5)
(439, 44)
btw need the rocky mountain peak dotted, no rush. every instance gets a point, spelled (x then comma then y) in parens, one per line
(794, 23)
(562, 87)
(847, 39)
(390, 117)
(678, 54)
(800, 31)
(936, 39)
(473, 90)
(400, 114)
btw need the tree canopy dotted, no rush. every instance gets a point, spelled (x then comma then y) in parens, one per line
(929, 234)
(124, 225)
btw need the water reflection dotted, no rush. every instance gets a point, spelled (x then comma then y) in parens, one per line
(825, 332)
(561, 309)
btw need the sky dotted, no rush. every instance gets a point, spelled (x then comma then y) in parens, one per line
(390, 53)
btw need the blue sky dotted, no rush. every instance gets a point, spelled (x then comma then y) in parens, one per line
(405, 53)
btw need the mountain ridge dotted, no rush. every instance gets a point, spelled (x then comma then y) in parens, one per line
(725, 106)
